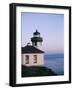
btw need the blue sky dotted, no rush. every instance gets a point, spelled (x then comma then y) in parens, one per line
(50, 26)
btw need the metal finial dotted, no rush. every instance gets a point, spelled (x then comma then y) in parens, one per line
(36, 30)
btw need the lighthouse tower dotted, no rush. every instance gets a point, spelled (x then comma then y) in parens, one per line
(37, 40)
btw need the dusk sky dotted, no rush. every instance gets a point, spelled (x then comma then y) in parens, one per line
(50, 26)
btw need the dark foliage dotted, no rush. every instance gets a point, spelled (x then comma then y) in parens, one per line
(36, 71)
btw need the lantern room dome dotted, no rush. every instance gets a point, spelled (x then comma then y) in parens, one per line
(36, 33)
(36, 37)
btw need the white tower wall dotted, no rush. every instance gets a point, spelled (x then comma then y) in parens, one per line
(39, 45)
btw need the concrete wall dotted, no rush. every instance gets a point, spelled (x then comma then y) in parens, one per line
(40, 59)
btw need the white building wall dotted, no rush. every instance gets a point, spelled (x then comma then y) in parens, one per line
(40, 59)
(39, 45)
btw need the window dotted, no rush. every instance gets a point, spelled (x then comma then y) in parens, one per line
(27, 59)
(35, 58)
(35, 43)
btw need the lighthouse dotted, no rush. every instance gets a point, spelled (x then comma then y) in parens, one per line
(33, 54)
(37, 40)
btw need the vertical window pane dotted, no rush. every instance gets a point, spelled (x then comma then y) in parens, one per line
(27, 59)
(35, 43)
(35, 58)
